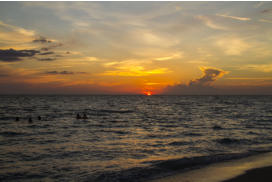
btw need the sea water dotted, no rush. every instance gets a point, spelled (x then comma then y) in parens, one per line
(126, 138)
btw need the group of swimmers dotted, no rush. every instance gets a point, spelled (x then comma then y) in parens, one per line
(78, 116)
(81, 117)
(29, 119)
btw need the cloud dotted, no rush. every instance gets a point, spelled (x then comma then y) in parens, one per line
(234, 17)
(56, 88)
(209, 75)
(135, 71)
(249, 78)
(52, 46)
(227, 90)
(17, 44)
(46, 59)
(259, 4)
(232, 46)
(266, 10)
(174, 56)
(265, 20)
(63, 72)
(11, 55)
(262, 67)
(60, 72)
(44, 49)
(209, 23)
(200, 85)
(17, 29)
(46, 53)
(183, 89)
(12, 35)
(133, 68)
(91, 59)
(42, 40)
(110, 64)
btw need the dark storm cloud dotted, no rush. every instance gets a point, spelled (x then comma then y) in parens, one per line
(42, 40)
(209, 75)
(11, 55)
(46, 53)
(46, 59)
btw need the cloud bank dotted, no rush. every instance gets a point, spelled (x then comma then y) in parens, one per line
(204, 86)
(12, 55)
(199, 86)
(42, 40)
(209, 75)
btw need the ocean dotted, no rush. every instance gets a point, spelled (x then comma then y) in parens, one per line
(127, 138)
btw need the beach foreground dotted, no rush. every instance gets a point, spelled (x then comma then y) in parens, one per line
(261, 174)
(250, 169)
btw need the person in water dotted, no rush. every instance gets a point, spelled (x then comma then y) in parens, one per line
(85, 116)
(78, 116)
(39, 118)
(17, 119)
(30, 120)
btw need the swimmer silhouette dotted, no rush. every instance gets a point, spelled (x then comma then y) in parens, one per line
(30, 120)
(85, 116)
(39, 117)
(78, 116)
(17, 119)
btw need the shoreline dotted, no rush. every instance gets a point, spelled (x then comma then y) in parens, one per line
(237, 170)
(263, 174)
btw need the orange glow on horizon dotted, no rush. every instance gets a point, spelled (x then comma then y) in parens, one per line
(148, 93)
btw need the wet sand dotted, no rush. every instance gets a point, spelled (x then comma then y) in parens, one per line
(255, 175)
(256, 168)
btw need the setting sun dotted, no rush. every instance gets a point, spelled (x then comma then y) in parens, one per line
(148, 93)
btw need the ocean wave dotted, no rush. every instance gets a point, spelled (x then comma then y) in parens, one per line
(178, 143)
(217, 127)
(111, 111)
(166, 167)
(192, 134)
(230, 141)
(11, 133)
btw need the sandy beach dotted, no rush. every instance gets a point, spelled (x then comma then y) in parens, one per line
(260, 174)
(251, 169)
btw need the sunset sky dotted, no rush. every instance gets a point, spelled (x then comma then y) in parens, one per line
(135, 47)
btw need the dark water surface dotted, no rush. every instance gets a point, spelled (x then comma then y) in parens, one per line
(126, 138)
